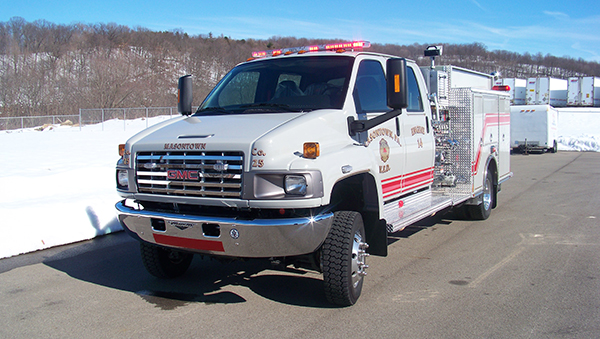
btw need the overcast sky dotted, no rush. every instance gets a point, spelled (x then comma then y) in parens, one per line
(560, 28)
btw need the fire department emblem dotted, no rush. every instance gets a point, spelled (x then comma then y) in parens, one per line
(384, 150)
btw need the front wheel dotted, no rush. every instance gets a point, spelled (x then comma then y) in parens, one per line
(163, 262)
(343, 257)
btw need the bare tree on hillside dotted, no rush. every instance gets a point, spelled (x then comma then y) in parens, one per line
(47, 68)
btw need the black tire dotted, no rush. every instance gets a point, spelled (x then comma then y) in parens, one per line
(343, 258)
(163, 262)
(483, 210)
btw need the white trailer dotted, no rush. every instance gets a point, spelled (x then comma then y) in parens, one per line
(584, 91)
(547, 91)
(533, 128)
(517, 89)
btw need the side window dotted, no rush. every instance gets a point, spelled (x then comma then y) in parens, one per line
(369, 90)
(240, 90)
(415, 102)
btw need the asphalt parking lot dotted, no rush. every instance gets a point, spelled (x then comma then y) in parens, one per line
(532, 270)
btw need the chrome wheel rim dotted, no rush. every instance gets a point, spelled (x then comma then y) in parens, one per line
(359, 255)
(487, 195)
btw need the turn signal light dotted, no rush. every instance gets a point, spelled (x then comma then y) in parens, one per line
(121, 149)
(311, 150)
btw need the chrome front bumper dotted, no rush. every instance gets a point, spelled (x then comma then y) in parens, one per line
(261, 238)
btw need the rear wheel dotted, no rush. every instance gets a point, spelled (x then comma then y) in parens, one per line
(343, 257)
(163, 262)
(483, 210)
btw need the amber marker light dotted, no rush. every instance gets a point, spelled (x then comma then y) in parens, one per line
(311, 150)
(121, 149)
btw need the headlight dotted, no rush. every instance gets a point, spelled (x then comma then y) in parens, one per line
(288, 185)
(295, 184)
(122, 179)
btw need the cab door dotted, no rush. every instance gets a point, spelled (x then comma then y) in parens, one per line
(370, 100)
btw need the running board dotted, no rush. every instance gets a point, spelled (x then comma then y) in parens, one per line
(406, 211)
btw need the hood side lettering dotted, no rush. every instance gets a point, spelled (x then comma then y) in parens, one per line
(183, 146)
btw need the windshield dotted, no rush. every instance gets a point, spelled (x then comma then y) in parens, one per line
(296, 84)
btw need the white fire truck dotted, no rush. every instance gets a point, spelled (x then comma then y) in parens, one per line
(311, 156)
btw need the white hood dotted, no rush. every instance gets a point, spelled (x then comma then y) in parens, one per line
(211, 133)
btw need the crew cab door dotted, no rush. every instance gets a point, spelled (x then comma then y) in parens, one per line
(417, 135)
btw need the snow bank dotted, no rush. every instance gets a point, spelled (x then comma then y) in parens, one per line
(58, 185)
(579, 129)
(580, 143)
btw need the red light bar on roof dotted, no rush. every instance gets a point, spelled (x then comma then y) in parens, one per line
(315, 48)
(349, 45)
(501, 88)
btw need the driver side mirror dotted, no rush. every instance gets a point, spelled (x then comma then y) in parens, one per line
(397, 88)
(184, 95)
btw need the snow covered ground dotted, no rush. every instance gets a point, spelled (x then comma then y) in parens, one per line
(579, 129)
(57, 186)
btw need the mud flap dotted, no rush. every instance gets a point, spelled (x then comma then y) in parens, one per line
(376, 232)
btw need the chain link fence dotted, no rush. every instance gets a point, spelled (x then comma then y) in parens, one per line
(87, 116)
(94, 116)
(37, 121)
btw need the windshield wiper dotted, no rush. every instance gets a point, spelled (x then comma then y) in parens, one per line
(212, 110)
(270, 107)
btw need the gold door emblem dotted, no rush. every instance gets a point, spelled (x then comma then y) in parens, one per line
(384, 150)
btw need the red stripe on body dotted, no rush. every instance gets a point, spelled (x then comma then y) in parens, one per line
(406, 182)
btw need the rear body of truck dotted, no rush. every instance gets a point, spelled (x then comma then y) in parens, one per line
(471, 134)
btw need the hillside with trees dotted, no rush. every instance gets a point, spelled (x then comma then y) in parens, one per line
(51, 69)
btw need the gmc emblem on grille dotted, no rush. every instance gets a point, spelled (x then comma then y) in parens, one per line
(182, 175)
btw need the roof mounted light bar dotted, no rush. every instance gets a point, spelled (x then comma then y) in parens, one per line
(338, 47)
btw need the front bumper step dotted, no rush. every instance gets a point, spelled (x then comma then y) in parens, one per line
(259, 238)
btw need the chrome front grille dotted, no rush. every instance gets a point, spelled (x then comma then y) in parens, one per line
(199, 174)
